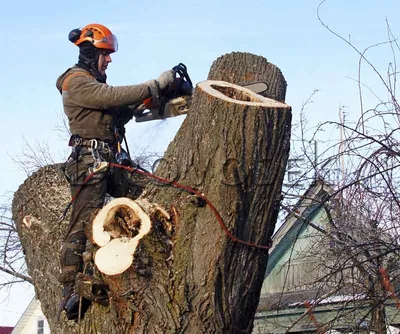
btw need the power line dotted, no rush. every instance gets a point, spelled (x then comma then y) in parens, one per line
(2, 309)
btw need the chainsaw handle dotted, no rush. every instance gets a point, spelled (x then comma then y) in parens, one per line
(181, 70)
(182, 86)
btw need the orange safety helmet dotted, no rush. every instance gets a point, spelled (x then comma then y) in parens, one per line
(100, 36)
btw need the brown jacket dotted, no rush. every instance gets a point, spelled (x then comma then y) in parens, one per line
(92, 107)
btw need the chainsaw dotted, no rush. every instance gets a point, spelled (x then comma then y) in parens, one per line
(175, 100)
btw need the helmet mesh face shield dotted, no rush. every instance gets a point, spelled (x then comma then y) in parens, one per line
(109, 42)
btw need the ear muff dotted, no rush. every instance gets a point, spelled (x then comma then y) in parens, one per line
(74, 35)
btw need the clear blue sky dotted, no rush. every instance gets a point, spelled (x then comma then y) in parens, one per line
(154, 36)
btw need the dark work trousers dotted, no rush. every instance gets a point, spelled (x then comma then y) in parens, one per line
(113, 181)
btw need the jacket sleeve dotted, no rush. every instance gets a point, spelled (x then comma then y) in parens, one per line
(89, 93)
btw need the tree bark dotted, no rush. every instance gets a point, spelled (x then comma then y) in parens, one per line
(192, 273)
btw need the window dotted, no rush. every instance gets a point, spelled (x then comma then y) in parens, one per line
(40, 327)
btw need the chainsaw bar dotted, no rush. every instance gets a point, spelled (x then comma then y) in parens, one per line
(258, 87)
(180, 105)
(175, 107)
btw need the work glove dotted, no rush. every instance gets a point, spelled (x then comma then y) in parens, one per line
(157, 86)
(166, 78)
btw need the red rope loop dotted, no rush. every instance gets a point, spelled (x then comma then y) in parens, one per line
(176, 185)
(197, 193)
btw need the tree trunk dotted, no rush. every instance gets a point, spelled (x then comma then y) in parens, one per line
(193, 272)
(248, 68)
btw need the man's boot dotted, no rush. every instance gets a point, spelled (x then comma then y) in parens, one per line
(72, 303)
(71, 265)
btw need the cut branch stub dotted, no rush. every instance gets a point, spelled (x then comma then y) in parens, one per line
(117, 229)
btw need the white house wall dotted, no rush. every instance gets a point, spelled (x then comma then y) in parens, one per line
(28, 323)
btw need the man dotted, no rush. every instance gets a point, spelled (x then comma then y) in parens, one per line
(97, 114)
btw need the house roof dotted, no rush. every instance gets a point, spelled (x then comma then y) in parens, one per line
(27, 314)
(276, 301)
(6, 329)
(288, 312)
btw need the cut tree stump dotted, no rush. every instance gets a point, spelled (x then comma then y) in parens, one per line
(233, 147)
(249, 67)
